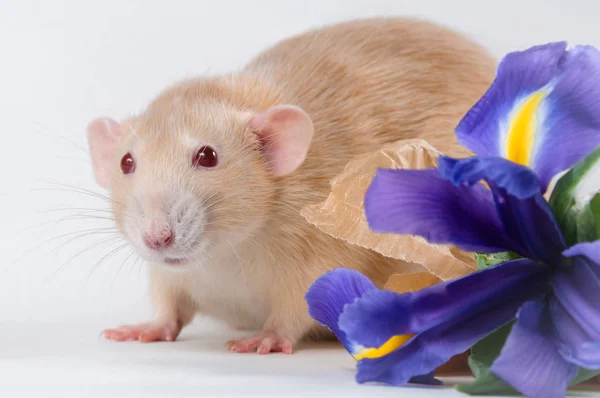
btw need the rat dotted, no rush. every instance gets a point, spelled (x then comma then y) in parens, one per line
(208, 181)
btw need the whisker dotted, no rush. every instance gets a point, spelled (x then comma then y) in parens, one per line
(50, 131)
(81, 234)
(36, 247)
(135, 264)
(110, 239)
(73, 217)
(111, 253)
(72, 188)
(84, 209)
(132, 252)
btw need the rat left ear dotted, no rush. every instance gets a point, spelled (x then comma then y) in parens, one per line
(103, 137)
(286, 132)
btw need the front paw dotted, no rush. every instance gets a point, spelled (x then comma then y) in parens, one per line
(263, 343)
(144, 332)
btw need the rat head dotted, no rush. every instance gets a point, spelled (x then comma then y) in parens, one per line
(189, 181)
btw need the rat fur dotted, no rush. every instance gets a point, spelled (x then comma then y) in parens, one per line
(282, 128)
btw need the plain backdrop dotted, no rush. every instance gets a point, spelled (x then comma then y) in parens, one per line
(63, 275)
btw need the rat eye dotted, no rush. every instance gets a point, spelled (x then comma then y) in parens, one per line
(205, 157)
(127, 164)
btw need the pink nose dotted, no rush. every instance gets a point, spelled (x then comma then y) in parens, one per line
(159, 238)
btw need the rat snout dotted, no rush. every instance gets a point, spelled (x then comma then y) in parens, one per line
(158, 236)
(168, 228)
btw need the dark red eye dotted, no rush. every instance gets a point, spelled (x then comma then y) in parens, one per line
(127, 164)
(205, 157)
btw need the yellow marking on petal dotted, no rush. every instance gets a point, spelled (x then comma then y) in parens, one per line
(392, 344)
(522, 130)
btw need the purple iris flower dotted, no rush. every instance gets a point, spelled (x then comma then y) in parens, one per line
(542, 110)
(551, 290)
(540, 117)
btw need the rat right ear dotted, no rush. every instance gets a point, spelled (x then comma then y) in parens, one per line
(103, 137)
(286, 132)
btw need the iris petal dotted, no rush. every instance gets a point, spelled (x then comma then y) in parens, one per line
(571, 127)
(591, 250)
(434, 347)
(516, 180)
(576, 288)
(542, 110)
(484, 128)
(574, 343)
(420, 202)
(529, 360)
(380, 314)
(526, 217)
(328, 296)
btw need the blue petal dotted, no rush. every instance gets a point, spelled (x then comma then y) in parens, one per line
(516, 180)
(525, 215)
(529, 360)
(434, 347)
(328, 296)
(574, 306)
(542, 111)
(591, 250)
(576, 289)
(420, 202)
(483, 128)
(576, 344)
(571, 128)
(381, 314)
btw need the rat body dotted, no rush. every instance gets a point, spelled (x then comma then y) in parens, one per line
(208, 182)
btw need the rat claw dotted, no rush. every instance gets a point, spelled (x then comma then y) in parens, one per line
(263, 342)
(144, 332)
(266, 345)
(287, 348)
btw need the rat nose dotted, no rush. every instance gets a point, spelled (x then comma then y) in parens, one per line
(159, 237)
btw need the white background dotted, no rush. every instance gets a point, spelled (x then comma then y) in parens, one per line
(63, 63)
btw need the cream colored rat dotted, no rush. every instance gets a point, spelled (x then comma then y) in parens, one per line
(209, 180)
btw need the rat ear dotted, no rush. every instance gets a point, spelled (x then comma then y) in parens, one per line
(286, 132)
(103, 137)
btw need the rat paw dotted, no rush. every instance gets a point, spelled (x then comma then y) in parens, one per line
(144, 332)
(263, 343)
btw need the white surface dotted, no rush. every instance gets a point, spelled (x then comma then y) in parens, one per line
(78, 364)
(65, 62)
